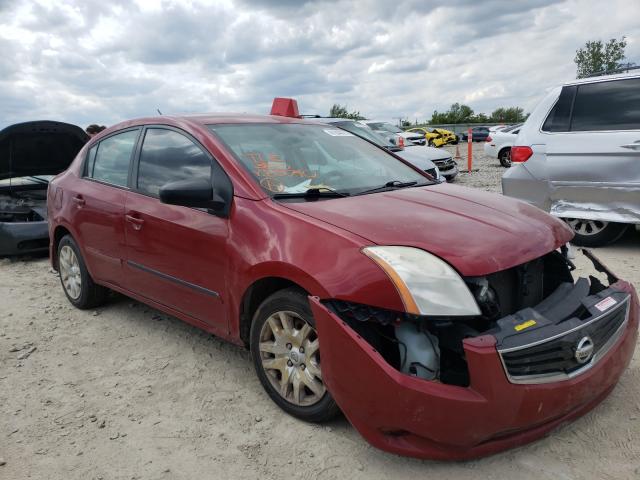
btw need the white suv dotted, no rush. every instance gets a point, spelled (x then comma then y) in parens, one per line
(578, 157)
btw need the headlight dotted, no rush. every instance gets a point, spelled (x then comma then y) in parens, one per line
(426, 284)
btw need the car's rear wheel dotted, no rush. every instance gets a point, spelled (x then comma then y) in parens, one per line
(505, 157)
(595, 233)
(431, 144)
(76, 282)
(286, 355)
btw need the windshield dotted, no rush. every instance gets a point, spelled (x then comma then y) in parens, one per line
(362, 130)
(512, 127)
(384, 126)
(295, 158)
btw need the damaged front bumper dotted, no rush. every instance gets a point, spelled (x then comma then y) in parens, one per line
(428, 419)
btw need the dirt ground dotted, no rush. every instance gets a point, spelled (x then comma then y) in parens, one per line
(125, 392)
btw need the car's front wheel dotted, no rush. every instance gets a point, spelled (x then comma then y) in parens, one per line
(286, 355)
(76, 281)
(505, 157)
(595, 233)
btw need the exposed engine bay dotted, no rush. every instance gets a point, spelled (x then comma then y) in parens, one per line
(19, 205)
(548, 325)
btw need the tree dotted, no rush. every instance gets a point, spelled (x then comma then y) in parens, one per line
(457, 113)
(507, 115)
(598, 57)
(338, 111)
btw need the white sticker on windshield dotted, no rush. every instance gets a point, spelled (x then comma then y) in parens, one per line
(335, 132)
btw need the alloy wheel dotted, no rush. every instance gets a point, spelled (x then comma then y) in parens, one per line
(290, 357)
(586, 227)
(506, 158)
(70, 272)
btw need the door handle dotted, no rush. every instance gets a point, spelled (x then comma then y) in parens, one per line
(632, 146)
(134, 221)
(78, 200)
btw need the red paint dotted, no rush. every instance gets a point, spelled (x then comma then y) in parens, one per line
(316, 245)
(414, 417)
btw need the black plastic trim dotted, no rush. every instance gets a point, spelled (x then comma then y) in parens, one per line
(173, 279)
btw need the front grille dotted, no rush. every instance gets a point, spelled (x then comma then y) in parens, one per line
(555, 358)
(445, 163)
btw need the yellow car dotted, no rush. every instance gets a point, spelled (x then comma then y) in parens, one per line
(436, 137)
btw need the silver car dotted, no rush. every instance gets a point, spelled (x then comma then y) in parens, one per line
(578, 157)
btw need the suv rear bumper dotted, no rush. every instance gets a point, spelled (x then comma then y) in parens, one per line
(410, 416)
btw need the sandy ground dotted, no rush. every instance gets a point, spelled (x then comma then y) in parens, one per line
(125, 392)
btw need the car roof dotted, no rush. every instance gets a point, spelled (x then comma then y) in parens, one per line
(331, 119)
(204, 119)
(216, 118)
(601, 78)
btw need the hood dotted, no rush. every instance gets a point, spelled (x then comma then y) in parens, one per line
(39, 148)
(477, 232)
(422, 157)
(416, 157)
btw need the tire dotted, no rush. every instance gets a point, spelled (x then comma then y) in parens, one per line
(431, 144)
(76, 282)
(595, 233)
(505, 157)
(289, 311)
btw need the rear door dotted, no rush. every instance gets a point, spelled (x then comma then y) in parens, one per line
(593, 151)
(176, 256)
(98, 204)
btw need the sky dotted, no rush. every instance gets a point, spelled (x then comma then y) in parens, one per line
(106, 61)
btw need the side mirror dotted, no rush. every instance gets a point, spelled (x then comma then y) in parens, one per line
(197, 192)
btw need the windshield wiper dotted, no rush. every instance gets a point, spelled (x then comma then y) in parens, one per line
(312, 193)
(392, 185)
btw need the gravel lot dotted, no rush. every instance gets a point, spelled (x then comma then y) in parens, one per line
(125, 392)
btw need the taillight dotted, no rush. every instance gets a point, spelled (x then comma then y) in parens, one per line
(401, 142)
(520, 154)
(488, 139)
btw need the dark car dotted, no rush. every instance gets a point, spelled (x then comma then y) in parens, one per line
(349, 274)
(30, 154)
(479, 134)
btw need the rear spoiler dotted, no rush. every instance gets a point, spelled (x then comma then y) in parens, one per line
(285, 107)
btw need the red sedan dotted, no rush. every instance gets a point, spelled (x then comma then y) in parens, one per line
(443, 322)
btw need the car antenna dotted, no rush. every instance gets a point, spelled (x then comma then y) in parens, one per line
(159, 112)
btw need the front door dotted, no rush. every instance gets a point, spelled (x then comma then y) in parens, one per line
(176, 256)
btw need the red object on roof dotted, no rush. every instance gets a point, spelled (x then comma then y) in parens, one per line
(285, 107)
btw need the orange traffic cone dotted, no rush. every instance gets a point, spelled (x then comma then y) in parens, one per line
(457, 157)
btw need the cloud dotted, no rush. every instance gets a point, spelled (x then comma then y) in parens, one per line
(102, 62)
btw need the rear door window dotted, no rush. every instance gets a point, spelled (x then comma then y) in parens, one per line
(559, 117)
(612, 105)
(168, 156)
(110, 164)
